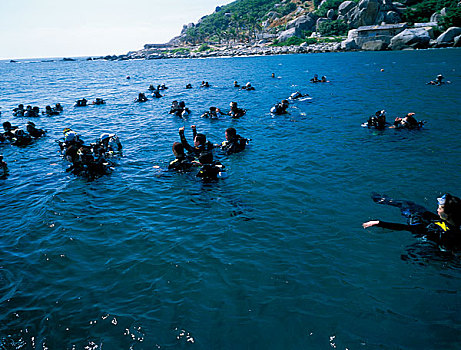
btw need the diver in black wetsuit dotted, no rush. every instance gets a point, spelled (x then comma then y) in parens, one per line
(210, 170)
(99, 101)
(235, 111)
(33, 131)
(81, 103)
(248, 87)
(280, 108)
(201, 145)
(21, 138)
(141, 98)
(213, 113)
(407, 122)
(182, 162)
(156, 94)
(19, 111)
(9, 130)
(234, 143)
(378, 121)
(443, 229)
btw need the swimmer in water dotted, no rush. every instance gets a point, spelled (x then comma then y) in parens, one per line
(234, 143)
(235, 111)
(33, 131)
(444, 229)
(181, 163)
(280, 108)
(141, 98)
(201, 145)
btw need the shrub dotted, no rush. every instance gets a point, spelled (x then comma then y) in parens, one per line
(452, 19)
(294, 41)
(336, 27)
(422, 11)
(203, 47)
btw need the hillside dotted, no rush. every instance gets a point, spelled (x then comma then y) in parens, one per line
(278, 21)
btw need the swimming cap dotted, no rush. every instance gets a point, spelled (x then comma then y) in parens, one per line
(441, 200)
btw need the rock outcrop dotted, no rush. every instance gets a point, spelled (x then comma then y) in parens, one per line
(447, 38)
(306, 22)
(416, 38)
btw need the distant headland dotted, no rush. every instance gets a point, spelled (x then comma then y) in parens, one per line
(271, 27)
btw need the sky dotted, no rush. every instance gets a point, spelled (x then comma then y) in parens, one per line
(67, 28)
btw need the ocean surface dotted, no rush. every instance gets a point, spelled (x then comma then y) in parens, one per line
(273, 256)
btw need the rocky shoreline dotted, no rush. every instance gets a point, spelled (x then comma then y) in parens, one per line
(242, 50)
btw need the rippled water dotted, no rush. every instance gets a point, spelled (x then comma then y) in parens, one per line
(274, 256)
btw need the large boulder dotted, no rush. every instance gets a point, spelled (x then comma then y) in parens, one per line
(416, 38)
(306, 22)
(375, 45)
(447, 38)
(349, 44)
(287, 34)
(345, 7)
(365, 14)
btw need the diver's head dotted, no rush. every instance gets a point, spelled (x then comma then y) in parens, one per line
(200, 140)
(230, 133)
(178, 149)
(449, 208)
(206, 158)
(182, 104)
(7, 126)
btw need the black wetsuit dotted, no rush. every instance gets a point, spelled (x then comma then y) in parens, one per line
(237, 112)
(422, 223)
(209, 171)
(198, 150)
(234, 145)
(34, 132)
(181, 164)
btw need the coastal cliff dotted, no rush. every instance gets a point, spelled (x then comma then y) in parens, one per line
(267, 27)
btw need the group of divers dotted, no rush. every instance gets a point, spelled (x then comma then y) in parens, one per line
(95, 159)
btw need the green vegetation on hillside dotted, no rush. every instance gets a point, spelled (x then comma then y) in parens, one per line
(242, 20)
(336, 27)
(238, 21)
(423, 10)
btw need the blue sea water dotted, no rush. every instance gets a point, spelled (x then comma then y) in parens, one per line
(273, 256)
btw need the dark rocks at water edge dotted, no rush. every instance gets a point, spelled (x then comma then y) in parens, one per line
(399, 37)
(240, 50)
